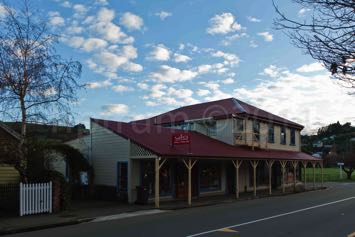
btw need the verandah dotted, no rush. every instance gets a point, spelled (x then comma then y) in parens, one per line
(190, 163)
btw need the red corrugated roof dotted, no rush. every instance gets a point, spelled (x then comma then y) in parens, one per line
(157, 139)
(217, 109)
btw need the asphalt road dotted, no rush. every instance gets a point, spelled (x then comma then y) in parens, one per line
(323, 213)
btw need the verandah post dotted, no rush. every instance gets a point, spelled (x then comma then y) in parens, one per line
(270, 164)
(314, 174)
(254, 164)
(321, 167)
(157, 204)
(283, 166)
(189, 165)
(304, 163)
(294, 164)
(237, 165)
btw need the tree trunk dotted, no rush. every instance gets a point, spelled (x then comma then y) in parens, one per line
(22, 159)
(348, 172)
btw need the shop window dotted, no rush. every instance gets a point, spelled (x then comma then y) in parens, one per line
(210, 177)
(271, 134)
(148, 178)
(262, 175)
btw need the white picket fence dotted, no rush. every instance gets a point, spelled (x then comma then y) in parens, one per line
(35, 198)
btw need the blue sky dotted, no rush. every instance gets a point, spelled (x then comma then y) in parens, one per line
(144, 57)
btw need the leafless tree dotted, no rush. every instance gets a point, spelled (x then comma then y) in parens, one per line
(36, 84)
(328, 35)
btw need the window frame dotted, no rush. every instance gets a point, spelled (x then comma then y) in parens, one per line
(271, 139)
(283, 137)
(257, 134)
(292, 137)
(219, 169)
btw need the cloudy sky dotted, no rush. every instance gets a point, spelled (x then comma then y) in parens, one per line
(143, 57)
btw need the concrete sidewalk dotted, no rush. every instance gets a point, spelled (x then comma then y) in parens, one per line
(82, 211)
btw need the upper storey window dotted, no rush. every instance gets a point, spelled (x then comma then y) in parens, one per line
(271, 133)
(283, 136)
(239, 125)
(212, 129)
(293, 137)
(256, 130)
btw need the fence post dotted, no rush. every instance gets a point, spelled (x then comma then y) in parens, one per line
(50, 197)
(21, 197)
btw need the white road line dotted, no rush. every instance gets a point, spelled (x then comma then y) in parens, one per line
(127, 215)
(272, 217)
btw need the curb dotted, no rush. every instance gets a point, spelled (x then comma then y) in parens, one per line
(46, 226)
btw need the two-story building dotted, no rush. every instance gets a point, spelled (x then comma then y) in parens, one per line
(216, 148)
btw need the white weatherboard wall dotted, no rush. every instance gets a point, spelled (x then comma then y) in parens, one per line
(82, 144)
(107, 149)
(225, 131)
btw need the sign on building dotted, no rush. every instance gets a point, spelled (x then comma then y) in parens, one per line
(180, 138)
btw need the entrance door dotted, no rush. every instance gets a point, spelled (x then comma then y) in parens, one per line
(181, 177)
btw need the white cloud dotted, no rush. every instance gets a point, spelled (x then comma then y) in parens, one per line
(99, 84)
(160, 52)
(302, 12)
(121, 88)
(313, 67)
(110, 60)
(215, 92)
(114, 109)
(151, 103)
(253, 19)
(103, 25)
(313, 101)
(101, 2)
(205, 68)
(105, 15)
(271, 71)
(170, 74)
(133, 67)
(253, 44)
(203, 92)
(54, 18)
(66, 4)
(74, 29)
(163, 14)
(266, 35)
(80, 8)
(131, 21)
(228, 81)
(230, 59)
(142, 86)
(93, 44)
(223, 24)
(229, 39)
(87, 45)
(180, 58)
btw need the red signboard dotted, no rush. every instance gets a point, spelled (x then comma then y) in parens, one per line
(180, 138)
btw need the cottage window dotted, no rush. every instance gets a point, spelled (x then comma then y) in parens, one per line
(211, 129)
(283, 136)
